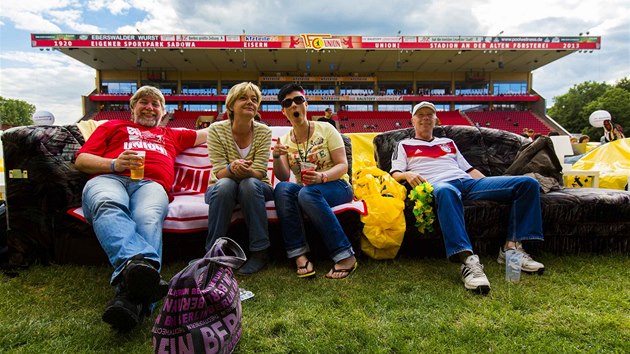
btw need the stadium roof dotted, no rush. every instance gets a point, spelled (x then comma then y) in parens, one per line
(318, 53)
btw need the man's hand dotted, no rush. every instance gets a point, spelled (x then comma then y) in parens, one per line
(127, 160)
(414, 179)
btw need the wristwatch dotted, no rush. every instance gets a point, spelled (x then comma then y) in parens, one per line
(324, 177)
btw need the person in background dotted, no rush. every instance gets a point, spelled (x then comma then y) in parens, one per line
(573, 140)
(317, 191)
(258, 119)
(127, 214)
(238, 148)
(328, 113)
(425, 158)
(612, 131)
(584, 139)
(531, 133)
(553, 133)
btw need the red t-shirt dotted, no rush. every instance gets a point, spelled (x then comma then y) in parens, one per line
(161, 145)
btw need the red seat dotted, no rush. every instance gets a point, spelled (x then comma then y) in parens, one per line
(512, 121)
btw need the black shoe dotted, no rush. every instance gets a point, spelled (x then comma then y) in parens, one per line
(142, 281)
(256, 262)
(123, 314)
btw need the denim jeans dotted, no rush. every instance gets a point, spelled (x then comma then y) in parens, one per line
(315, 201)
(127, 217)
(251, 194)
(525, 213)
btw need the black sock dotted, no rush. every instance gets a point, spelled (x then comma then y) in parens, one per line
(464, 255)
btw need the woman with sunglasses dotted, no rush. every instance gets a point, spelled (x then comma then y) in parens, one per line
(317, 191)
(239, 153)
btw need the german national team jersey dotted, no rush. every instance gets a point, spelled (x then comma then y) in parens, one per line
(438, 160)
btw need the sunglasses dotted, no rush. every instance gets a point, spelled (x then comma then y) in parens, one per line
(298, 100)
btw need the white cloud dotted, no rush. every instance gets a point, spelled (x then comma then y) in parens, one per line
(50, 81)
(45, 15)
(115, 7)
(32, 22)
(71, 18)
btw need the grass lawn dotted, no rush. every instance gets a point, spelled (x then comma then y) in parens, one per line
(581, 304)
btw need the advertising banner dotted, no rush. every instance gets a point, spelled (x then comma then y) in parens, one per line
(315, 42)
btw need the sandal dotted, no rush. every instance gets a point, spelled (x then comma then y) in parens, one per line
(347, 271)
(307, 274)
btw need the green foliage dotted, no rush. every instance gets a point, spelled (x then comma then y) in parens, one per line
(624, 84)
(401, 306)
(16, 112)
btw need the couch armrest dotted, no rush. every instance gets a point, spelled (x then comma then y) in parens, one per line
(39, 167)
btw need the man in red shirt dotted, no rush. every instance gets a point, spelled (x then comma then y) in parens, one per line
(126, 213)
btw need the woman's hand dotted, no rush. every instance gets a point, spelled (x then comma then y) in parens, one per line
(242, 168)
(311, 177)
(280, 149)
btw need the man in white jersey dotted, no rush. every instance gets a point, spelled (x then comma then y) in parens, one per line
(438, 161)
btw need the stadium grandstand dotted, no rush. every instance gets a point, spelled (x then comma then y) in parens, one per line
(370, 82)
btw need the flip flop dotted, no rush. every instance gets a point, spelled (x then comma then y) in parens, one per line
(347, 271)
(307, 274)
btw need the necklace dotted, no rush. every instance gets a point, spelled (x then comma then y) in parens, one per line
(307, 149)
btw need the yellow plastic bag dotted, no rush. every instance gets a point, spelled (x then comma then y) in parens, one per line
(385, 222)
(612, 160)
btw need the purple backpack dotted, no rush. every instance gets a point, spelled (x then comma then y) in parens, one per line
(202, 311)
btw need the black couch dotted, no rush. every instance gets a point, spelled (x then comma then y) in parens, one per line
(42, 184)
(574, 219)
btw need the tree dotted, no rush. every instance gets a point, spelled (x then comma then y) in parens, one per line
(624, 83)
(16, 112)
(568, 108)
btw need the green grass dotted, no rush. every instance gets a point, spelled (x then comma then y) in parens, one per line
(581, 304)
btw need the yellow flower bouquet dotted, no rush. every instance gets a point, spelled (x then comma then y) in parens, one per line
(423, 196)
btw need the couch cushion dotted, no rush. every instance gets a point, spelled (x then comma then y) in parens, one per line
(596, 205)
(188, 211)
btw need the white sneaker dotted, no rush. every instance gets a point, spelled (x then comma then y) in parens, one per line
(529, 266)
(473, 276)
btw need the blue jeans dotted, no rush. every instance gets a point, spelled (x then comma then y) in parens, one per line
(314, 200)
(251, 194)
(525, 215)
(127, 217)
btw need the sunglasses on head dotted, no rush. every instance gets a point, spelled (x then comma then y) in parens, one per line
(298, 100)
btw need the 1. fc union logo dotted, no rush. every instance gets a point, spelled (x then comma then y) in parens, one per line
(321, 41)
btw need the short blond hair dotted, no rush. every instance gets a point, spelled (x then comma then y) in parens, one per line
(147, 91)
(237, 91)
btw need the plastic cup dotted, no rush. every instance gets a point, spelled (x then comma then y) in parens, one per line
(305, 167)
(513, 265)
(137, 173)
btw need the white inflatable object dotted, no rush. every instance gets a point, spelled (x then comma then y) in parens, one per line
(43, 118)
(597, 118)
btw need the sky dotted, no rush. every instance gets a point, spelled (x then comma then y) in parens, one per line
(55, 83)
